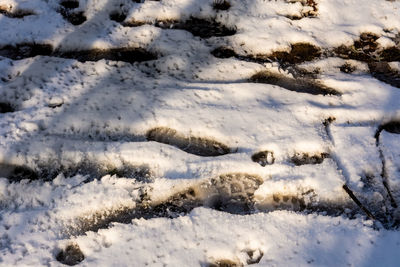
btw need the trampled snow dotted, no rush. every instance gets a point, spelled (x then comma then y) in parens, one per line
(131, 140)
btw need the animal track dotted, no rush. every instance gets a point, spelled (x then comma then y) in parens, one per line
(301, 85)
(204, 28)
(305, 158)
(263, 158)
(194, 145)
(71, 255)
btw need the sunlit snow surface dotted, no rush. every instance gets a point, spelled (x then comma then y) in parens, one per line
(132, 141)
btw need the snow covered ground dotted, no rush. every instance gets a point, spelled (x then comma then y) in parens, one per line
(199, 132)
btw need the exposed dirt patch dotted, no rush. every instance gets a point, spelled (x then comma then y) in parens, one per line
(223, 52)
(70, 4)
(347, 68)
(6, 107)
(391, 127)
(390, 54)
(48, 172)
(305, 158)
(310, 9)
(233, 193)
(25, 50)
(118, 16)
(194, 145)
(71, 255)
(263, 158)
(254, 256)
(204, 28)
(383, 72)
(17, 173)
(126, 54)
(299, 53)
(221, 5)
(366, 49)
(69, 13)
(75, 18)
(17, 13)
(225, 263)
(301, 85)
(118, 54)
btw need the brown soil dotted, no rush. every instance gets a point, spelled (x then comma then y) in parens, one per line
(263, 158)
(221, 5)
(301, 85)
(204, 28)
(6, 107)
(194, 145)
(26, 50)
(305, 158)
(71, 255)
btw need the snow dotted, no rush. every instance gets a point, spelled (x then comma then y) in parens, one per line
(79, 128)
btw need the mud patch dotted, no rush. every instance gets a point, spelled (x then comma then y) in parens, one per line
(221, 5)
(6, 107)
(69, 4)
(305, 158)
(25, 50)
(300, 85)
(263, 158)
(391, 127)
(17, 13)
(204, 28)
(129, 55)
(233, 193)
(383, 72)
(347, 68)
(71, 255)
(390, 54)
(200, 146)
(225, 263)
(17, 173)
(223, 52)
(118, 16)
(366, 49)
(299, 52)
(254, 256)
(47, 172)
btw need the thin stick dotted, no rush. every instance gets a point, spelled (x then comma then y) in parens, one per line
(355, 199)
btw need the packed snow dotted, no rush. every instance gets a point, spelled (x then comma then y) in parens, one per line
(199, 133)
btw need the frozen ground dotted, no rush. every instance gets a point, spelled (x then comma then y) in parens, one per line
(199, 133)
